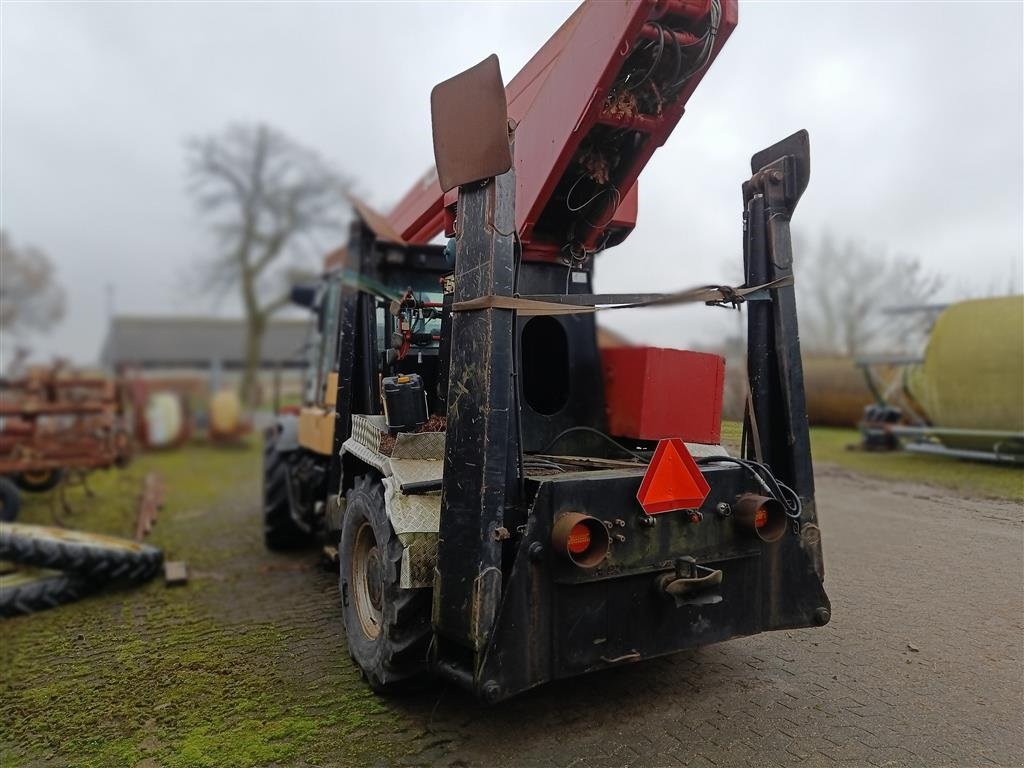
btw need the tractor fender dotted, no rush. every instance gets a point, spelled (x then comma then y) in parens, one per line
(414, 461)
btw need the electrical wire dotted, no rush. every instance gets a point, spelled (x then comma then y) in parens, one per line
(597, 432)
(677, 47)
(617, 198)
(707, 43)
(654, 64)
(542, 464)
(517, 389)
(774, 487)
(568, 195)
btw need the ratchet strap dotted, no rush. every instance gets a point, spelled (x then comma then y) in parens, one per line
(571, 304)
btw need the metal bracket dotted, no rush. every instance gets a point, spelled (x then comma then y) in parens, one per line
(690, 584)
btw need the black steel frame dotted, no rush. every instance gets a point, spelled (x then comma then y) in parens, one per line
(508, 612)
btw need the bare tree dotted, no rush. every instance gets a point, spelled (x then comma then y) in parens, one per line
(267, 199)
(30, 297)
(845, 290)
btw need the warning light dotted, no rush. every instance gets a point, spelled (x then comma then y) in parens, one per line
(579, 539)
(673, 480)
(760, 517)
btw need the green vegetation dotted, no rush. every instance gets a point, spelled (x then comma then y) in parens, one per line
(211, 674)
(837, 446)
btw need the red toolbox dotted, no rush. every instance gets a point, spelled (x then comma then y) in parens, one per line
(653, 393)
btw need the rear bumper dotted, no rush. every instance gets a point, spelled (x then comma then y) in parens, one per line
(557, 620)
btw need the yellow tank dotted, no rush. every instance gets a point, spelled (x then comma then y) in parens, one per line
(836, 391)
(225, 413)
(972, 376)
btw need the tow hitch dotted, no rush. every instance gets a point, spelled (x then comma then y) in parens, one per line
(690, 584)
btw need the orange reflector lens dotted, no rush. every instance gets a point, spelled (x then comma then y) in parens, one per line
(579, 539)
(760, 518)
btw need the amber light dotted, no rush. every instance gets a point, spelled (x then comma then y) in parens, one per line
(762, 516)
(579, 539)
(582, 538)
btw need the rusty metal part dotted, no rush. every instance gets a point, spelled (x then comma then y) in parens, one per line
(773, 519)
(367, 584)
(690, 584)
(377, 222)
(55, 419)
(150, 501)
(470, 123)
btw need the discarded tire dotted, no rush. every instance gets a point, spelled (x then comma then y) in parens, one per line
(10, 500)
(39, 482)
(388, 627)
(30, 590)
(279, 529)
(91, 556)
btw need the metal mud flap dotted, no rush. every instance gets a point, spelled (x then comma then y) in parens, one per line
(691, 584)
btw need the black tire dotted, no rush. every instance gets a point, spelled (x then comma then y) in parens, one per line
(39, 482)
(90, 556)
(280, 531)
(10, 500)
(31, 590)
(388, 627)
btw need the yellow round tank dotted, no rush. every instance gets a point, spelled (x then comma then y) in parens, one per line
(836, 391)
(972, 376)
(225, 413)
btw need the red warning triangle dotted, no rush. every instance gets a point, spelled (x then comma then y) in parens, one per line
(673, 480)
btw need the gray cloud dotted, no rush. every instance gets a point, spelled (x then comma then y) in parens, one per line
(915, 113)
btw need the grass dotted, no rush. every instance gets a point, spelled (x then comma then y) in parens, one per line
(971, 478)
(838, 446)
(183, 678)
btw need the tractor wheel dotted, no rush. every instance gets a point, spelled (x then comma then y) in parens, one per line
(31, 589)
(388, 627)
(39, 481)
(279, 529)
(10, 500)
(90, 556)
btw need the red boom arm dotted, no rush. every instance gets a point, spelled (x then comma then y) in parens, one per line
(591, 107)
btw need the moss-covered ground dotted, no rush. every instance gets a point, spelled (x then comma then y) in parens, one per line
(230, 670)
(247, 665)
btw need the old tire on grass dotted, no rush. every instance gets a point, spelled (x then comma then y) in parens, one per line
(10, 500)
(280, 532)
(30, 590)
(91, 556)
(388, 627)
(40, 481)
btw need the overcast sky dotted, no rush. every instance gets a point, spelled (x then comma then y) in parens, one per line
(914, 110)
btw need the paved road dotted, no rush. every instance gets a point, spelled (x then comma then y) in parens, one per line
(920, 666)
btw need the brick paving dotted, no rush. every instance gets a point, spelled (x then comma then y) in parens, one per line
(905, 566)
